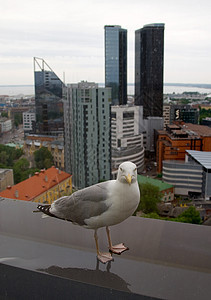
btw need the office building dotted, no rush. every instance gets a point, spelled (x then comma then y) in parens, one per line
(126, 138)
(48, 100)
(29, 122)
(173, 142)
(87, 133)
(192, 176)
(116, 63)
(149, 52)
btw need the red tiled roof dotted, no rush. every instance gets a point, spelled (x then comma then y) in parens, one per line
(34, 186)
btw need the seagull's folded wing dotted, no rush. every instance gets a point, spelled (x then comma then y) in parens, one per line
(82, 204)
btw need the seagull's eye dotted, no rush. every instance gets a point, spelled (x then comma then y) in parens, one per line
(135, 169)
(121, 169)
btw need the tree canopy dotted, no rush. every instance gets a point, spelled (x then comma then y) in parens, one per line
(8, 155)
(150, 197)
(43, 158)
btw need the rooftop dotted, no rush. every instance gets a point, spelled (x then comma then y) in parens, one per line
(160, 184)
(34, 186)
(202, 157)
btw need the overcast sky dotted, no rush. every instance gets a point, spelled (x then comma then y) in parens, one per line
(69, 35)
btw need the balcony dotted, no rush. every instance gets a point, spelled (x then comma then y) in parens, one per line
(51, 259)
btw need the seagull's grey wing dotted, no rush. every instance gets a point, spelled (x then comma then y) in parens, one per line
(83, 204)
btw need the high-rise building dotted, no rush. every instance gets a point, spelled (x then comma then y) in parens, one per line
(48, 99)
(87, 133)
(116, 63)
(149, 52)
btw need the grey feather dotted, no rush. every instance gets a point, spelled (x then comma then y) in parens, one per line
(82, 204)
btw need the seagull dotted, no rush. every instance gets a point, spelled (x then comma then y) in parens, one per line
(101, 205)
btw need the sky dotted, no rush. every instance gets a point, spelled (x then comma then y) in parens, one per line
(69, 36)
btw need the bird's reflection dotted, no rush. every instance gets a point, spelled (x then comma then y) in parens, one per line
(97, 277)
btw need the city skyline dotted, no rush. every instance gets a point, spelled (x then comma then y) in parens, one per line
(72, 40)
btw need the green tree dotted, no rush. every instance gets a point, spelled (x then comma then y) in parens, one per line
(18, 119)
(43, 158)
(191, 215)
(12, 154)
(150, 197)
(4, 114)
(19, 170)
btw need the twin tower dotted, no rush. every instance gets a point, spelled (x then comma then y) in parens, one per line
(149, 53)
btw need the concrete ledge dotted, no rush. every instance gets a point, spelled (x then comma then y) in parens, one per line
(166, 260)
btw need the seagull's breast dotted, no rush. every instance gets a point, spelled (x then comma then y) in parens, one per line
(122, 201)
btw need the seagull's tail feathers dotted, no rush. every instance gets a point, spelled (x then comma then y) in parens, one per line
(45, 209)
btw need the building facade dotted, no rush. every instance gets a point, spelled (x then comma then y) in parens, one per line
(6, 178)
(173, 142)
(87, 133)
(29, 121)
(192, 176)
(126, 139)
(116, 63)
(5, 125)
(48, 100)
(149, 53)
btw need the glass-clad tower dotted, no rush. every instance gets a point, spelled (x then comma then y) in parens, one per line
(87, 133)
(116, 63)
(149, 52)
(48, 100)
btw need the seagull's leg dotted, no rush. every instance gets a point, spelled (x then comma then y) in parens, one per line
(117, 249)
(103, 257)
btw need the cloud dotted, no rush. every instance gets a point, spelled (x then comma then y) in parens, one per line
(70, 37)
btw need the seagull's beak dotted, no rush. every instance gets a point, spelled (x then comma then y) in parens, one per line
(128, 178)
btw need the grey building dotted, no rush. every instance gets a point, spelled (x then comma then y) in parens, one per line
(48, 100)
(192, 177)
(116, 63)
(87, 133)
(149, 53)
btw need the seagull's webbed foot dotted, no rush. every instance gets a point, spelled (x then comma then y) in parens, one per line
(118, 249)
(104, 257)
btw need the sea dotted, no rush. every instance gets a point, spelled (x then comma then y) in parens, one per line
(28, 90)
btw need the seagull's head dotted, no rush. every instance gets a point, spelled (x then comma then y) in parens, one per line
(127, 172)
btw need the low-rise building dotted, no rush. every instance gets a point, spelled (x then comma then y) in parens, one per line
(5, 125)
(56, 147)
(166, 189)
(44, 187)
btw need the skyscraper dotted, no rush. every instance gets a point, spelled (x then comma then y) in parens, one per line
(87, 133)
(149, 52)
(48, 99)
(116, 63)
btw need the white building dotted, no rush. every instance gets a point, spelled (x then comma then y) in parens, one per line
(126, 139)
(29, 119)
(5, 125)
